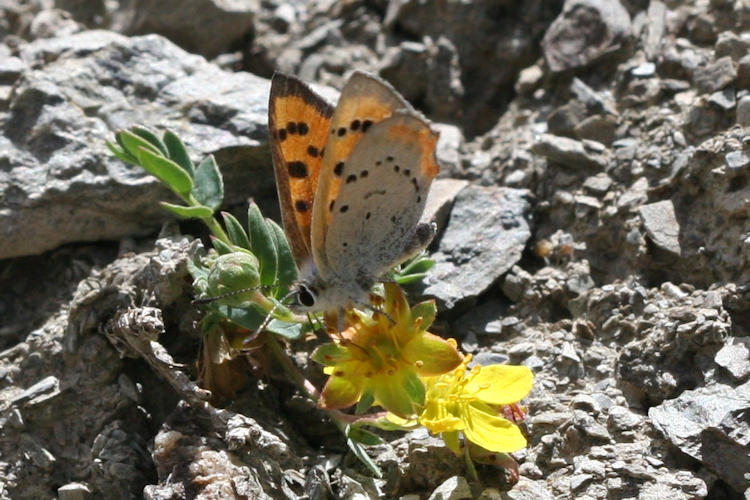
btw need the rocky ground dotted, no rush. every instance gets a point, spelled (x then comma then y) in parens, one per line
(602, 239)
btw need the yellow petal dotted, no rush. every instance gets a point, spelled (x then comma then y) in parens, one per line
(485, 428)
(501, 384)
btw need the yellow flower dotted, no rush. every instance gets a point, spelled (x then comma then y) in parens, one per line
(469, 402)
(381, 357)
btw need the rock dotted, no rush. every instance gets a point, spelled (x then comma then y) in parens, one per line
(563, 120)
(644, 70)
(83, 88)
(731, 45)
(584, 31)
(454, 488)
(736, 160)
(725, 99)
(74, 491)
(655, 27)
(207, 27)
(743, 111)
(743, 73)
(661, 225)
(569, 152)
(599, 128)
(710, 424)
(528, 79)
(447, 149)
(715, 76)
(734, 357)
(598, 184)
(486, 233)
(527, 489)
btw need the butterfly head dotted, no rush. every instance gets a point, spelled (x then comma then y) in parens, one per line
(313, 293)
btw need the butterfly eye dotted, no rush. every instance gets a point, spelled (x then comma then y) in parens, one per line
(306, 296)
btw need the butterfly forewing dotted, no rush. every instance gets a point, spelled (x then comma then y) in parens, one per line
(298, 122)
(384, 185)
(364, 102)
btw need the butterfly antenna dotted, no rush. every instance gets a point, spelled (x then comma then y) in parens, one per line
(207, 300)
(269, 316)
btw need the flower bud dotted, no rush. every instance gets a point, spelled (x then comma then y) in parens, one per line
(233, 272)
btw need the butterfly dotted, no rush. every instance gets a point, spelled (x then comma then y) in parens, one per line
(352, 182)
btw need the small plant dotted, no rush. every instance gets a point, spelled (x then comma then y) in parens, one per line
(384, 357)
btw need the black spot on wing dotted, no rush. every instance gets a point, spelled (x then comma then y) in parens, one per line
(301, 205)
(366, 124)
(302, 128)
(297, 169)
(355, 125)
(351, 178)
(339, 168)
(313, 151)
(364, 174)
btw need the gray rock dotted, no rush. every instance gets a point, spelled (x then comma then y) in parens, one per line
(715, 76)
(454, 488)
(710, 424)
(736, 160)
(743, 111)
(735, 357)
(598, 184)
(655, 27)
(661, 225)
(486, 233)
(599, 128)
(725, 98)
(569, 152)
(732, 45)
(74, 491)
(82, 89)
(207, 27)
(527, 489)
(528, 79)
(584, 31)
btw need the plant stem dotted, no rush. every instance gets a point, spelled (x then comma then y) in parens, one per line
(217, 230)
(303, 384)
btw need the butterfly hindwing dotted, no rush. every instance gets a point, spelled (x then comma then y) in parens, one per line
(365, 101)
(298, 122)
(384, 186)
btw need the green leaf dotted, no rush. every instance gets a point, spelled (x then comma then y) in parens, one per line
(198, 212)
(363, 457)
(132, 143)
(178, 153)
(122, 154)
(166, 171)
(409, 278)
(291, 331)
(263, 245)
(221, 247)
(360, 435)
(287, 268)
(209, 186)
(151, 138)
(246, 317)
(419, 264)
(235, 231)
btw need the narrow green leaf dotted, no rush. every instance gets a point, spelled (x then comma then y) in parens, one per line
(409, 278)
(122, 154)
(150, 137)
(287, 268)
(291, 331)
(360, 435)
(178, 153)
(209, 186)
(363, 457)
(132, 143)
(235, 231)
(263, 245)
(198, 212)
(221, 247)
(246, 317)
(166, 171)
